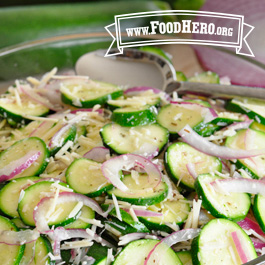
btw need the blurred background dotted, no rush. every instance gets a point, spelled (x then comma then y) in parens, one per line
(175, 4)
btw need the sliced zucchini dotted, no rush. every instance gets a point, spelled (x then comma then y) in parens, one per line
(179, 154)
(88, 94)
(259, 210)
(233, 206)
(130, 116)
(147, 190)
(19, 149)
(127, 225)
(136, 101)
(207, 129)
(175, 116)
(174, 212)
(85, 176)
(10, 254)
(257, 126)
(205, 77)
(99, 253)
(136, 252)
(19, 224)
(180, 76)
(123, 140)
(15, 113)
(200, 102)
(215, 245)
(80, 223)
(155, 50)
(185, 257)
(81, 130)
(253, 108)
(32, 197)
(249, 139)
(10, 194)
(37, 252)
(42, 249)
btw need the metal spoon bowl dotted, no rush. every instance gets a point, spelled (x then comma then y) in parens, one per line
(140, 68)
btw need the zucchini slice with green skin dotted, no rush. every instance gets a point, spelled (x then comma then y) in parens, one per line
(141, 100)
(257, 126)
(69, 135)
(123, 140)
(39, 250)
(207, 129)
(19, 224)
(9, 195)
(155, 50)
(15, 113)
(20, 149)
(233, 206)
(185, 257)
(79, 223)
(175, 116)
(205, 77)
(99, 253)
(253, 108)
(89, 93)
(130, 116)
(200, 102)
(174, 212)
(147, 190)
(127, 225)
(10, 254)
(180, 76)
(85, 176)
(179, 154)
(136, 252)
(248, 139)
(259, 210)
(215, 245)
(32, 197)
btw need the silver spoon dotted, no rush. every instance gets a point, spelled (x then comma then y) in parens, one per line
(140, 68)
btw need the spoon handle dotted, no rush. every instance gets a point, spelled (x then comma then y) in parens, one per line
(227, 91)
(258, 261)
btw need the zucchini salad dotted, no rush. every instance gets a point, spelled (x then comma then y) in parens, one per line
(92, 173)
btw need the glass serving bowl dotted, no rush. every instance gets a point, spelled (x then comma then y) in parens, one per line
(38, 57)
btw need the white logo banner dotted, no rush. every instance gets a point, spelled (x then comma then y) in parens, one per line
(208, 28)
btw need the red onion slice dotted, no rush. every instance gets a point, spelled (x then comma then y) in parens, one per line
(191, 169)
(64, 197)
(18, 238)
(239, 247)
(201, 144)
(37, 98)
(98, 154)
(239, 70)
(174, 238)
(239, 125)
(112, 167)
(57, 139)
(100, 111)
(17, 166)
(124, 240)
(241, 185)
(248, 224)
(258, 244)
(144, 213)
